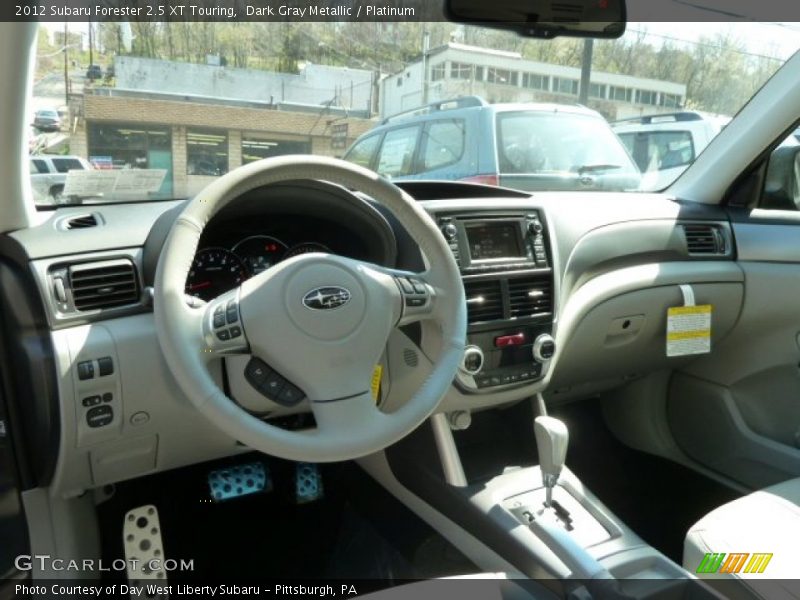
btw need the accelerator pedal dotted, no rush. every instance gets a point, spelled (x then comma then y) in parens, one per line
(308, 483)
(144, 547)
(241, 480)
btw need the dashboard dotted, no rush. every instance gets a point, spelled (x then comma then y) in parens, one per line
(593, 274)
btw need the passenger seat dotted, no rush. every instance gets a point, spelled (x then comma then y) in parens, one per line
(766, 522)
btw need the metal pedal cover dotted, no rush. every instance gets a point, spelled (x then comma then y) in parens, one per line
(144, 548)
(308, 483)
(241, 480)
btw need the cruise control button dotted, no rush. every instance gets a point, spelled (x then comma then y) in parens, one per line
(289, 395)
(272, 385)
(256, 372)
(99, 416)
(224, 335)
(235, 331)
(419, 287)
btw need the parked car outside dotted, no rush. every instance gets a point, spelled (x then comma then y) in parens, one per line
(94, 72)
(663, 146)
(49, 174)
(47, 119)
(531, 146)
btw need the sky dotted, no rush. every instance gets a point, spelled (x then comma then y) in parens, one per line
(780, 40)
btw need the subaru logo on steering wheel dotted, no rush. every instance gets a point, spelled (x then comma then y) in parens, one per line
(326, 298)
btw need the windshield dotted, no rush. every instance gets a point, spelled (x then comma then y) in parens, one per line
(147, 111)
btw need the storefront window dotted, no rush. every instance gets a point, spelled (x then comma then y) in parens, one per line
(206, 152)
(255, 149)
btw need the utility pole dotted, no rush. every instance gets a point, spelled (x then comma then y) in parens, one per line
(586, 70)
(66, 66)
(91, 46)
(426, 42)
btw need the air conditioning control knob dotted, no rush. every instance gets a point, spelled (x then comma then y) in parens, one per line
(544, 348)
(472, 362)
(449, 230)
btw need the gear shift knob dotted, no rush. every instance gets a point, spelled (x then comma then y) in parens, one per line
(552, 439)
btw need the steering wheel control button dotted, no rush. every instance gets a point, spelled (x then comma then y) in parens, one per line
(232, 312)
(472, 362)
(224, 335)
(105, 366)
(290, 395)
(108, 397)
(85, 370)
(405, 285)
(140, 418)
(272, 385)
(235, 332)
(504, 341)
(99, 416)
(256, 372)
(219, 319)
(91, 401)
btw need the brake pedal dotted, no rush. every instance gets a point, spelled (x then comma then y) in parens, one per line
(308, 483)
(241, 480)
(144, 547)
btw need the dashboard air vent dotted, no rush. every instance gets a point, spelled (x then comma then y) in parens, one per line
(529, 297)
(81, 222)
(704, 239)
(484, 300)
(104, 284)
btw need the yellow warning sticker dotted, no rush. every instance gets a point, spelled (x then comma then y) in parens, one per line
(375, 384)
(689, 330)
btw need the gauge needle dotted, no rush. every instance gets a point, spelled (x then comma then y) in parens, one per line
(201, 285)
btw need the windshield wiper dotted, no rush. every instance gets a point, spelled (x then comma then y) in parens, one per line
(600, 167)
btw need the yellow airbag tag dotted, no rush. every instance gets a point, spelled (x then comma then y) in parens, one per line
(689, 330)
(375, 384)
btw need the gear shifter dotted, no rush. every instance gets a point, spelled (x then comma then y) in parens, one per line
(552, 439)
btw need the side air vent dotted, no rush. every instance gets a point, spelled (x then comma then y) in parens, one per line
(80, 222)
(103, 284)
(703, 239)
(530, 297)
(484, 300)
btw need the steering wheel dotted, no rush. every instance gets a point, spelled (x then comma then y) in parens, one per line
(321, 321)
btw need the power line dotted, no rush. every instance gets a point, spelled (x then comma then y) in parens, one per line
(707, 45)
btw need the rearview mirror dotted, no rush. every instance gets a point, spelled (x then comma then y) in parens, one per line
(543, 18)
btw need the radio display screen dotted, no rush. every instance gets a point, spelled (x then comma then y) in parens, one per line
(489, 241)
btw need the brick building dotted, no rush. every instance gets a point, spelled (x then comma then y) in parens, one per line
(197, 139)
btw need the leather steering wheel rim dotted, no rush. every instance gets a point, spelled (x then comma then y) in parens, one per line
(348, 426)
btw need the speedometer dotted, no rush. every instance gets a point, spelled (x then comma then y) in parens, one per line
(260, 252)
(306, 248)
(214, 271)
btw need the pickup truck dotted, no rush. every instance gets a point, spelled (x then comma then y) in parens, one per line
(49, 173)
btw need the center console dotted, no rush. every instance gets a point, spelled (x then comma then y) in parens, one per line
(506, 266)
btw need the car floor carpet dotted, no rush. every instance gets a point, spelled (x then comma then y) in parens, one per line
(358, 530)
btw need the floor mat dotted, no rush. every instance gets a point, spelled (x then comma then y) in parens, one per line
(357, 531)
(657, 498)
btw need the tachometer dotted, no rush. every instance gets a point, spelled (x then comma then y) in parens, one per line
(260, 252)
(214, 271)
(306, 248)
